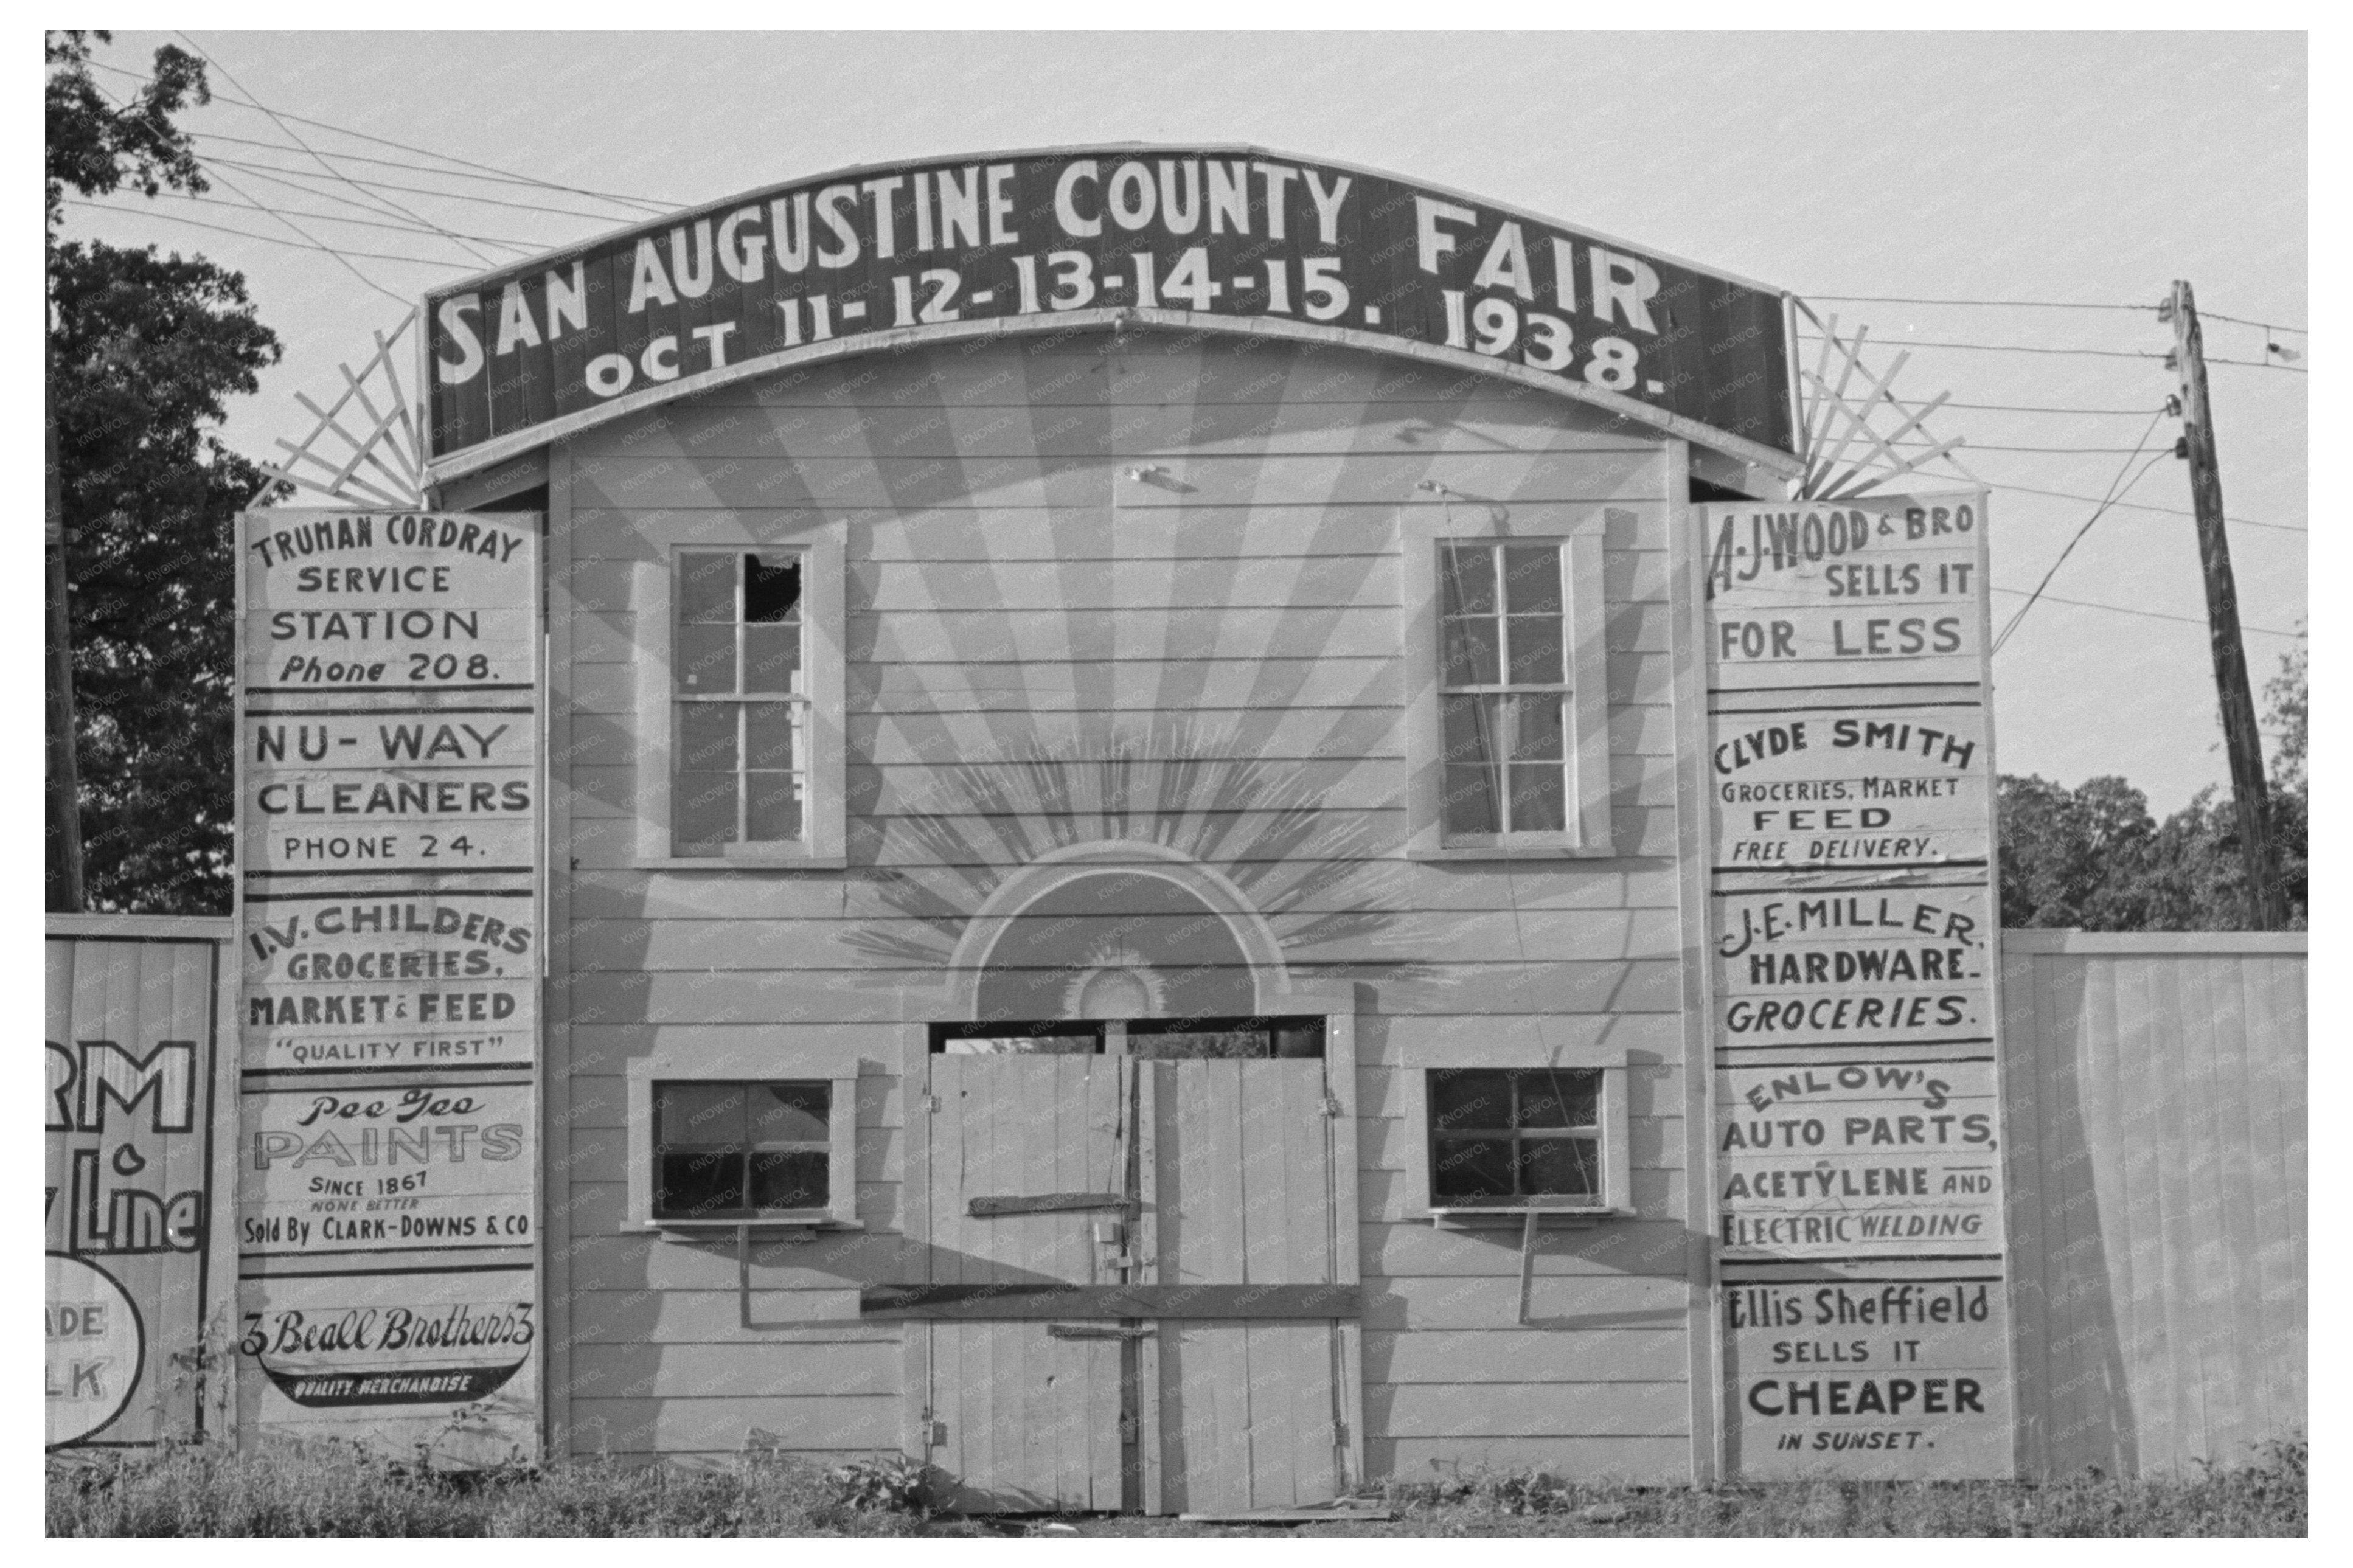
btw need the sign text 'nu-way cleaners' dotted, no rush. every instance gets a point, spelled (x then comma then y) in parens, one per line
(390, 735)
(1848, 772)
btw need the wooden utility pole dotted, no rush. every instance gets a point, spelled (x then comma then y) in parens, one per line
(61, 865)
(2239, 734)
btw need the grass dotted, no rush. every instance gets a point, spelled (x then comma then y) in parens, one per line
(334, 1489)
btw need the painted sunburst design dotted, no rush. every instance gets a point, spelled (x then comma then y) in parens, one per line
(1253, 822)
(1117, 983)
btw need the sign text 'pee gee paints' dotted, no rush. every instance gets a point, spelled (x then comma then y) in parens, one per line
(1218, 235)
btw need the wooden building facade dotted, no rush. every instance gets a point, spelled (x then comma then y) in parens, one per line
(1123, 871)
(1134, 643)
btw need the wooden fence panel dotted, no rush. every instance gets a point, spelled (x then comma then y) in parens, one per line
(2157, 1177)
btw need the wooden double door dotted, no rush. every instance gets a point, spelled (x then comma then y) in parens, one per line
(1139, 1299)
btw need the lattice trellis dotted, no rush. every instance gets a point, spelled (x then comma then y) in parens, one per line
(385, 466)
(1831, 424)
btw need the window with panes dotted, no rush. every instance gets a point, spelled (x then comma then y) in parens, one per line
(1515, 1139)
(741, 1149)
(1503, 688)
(740, 707)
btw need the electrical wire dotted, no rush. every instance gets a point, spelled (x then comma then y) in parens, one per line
(2151, 615)
(2106, 502)
(1890, 343)
(421, 191)
(2001, 304)
(296, 137)
(2206, 315)
(526, 246)
(345, 261)
(2145, 506)
(645, 202)
(289, 244)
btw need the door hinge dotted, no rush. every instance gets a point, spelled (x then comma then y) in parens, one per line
(935, 1432)
(1331, 1104)
(931, 1103)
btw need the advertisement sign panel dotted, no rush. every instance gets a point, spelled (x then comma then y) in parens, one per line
(1860, 1159)
(390, 757)
(446, 1363)
(1839, 967)
(1847, 784)
(389, 983)
(130, 1097)
(855, 259)
(1881, 590)
(1868, 1378)
(391, 1166)
(1854, 1020)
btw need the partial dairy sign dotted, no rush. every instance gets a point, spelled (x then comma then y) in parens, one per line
(391, 984)
(391, 1166)
(131, 1098)
(1848, 783)
(97, 1350)
(1868, 1378)
(441, 1362)
(1859, 1160)
(1231, 236)
(1813, 593)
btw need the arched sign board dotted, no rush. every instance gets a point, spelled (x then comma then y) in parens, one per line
(1232, 239)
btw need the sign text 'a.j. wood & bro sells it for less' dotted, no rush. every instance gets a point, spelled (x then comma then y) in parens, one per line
(1848, 772)
(390, 736)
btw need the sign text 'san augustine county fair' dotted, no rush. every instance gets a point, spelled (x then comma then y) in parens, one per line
(1225, 233)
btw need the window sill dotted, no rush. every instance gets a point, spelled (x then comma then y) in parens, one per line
(1518, 1218)
(1514, 852)
(811, 1221)
(739, 862)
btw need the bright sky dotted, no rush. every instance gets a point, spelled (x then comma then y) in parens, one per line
(2091, 168)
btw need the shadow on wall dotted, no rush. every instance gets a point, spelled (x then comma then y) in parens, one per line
(2074, 1394)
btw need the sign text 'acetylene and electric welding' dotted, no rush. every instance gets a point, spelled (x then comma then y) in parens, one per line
(1223, 233)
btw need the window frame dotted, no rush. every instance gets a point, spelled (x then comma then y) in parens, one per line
(1426, 534)
(840, 1210)
(1513, 1135)
(1616, 1199)
(824, 639)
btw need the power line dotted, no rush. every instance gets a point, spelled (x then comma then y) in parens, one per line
(421, 191)
(2152, 615)
(1999, 304)
(337, 217)
(2145, 506)
(2241, 320)
(306, 147)
(345, 261)
(420, 152)
(2107, 500)
(2025, 408)
(289, 244)
(398, 163)
(2009, 349)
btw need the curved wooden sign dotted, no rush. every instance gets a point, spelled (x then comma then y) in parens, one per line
(1231, 240)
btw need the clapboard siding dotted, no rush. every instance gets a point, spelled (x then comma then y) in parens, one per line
(2158, 1202)
(1009, 585)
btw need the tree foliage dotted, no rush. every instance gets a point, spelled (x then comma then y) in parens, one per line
(2094, 856)
(143, 349)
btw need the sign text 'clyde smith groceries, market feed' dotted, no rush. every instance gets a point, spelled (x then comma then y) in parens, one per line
(809, 269)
